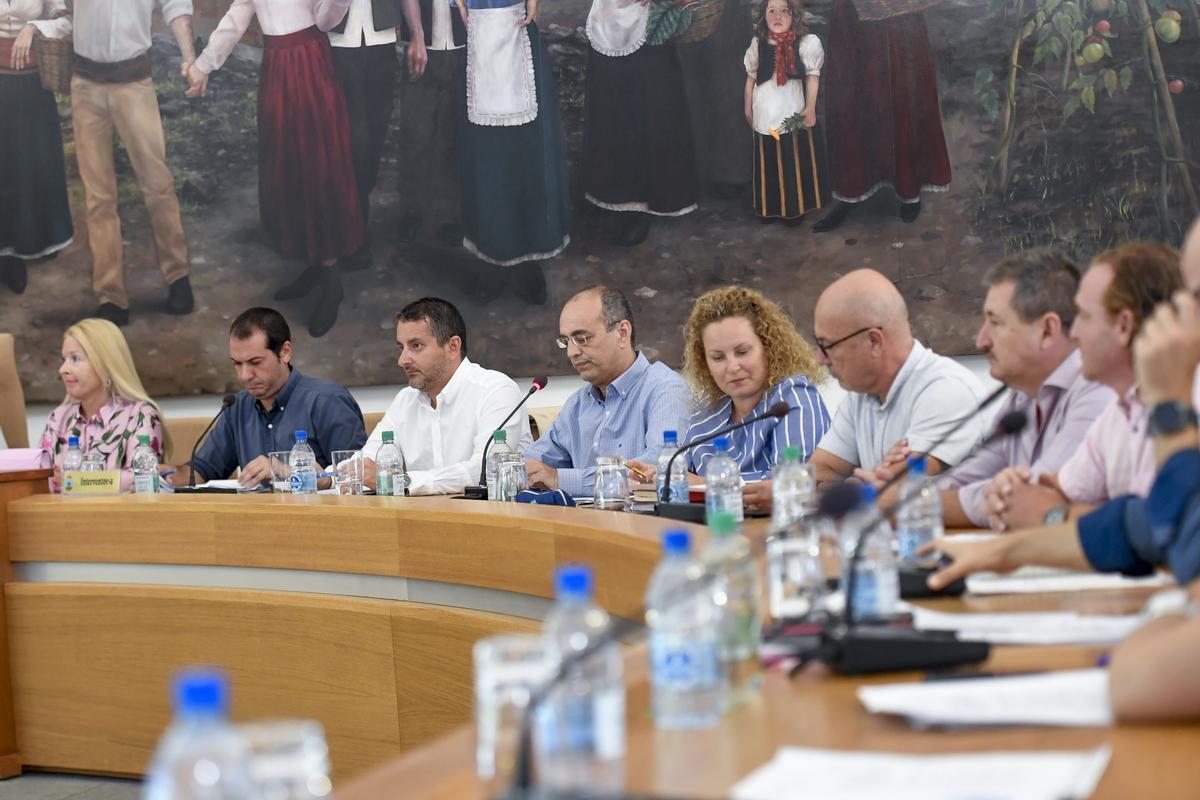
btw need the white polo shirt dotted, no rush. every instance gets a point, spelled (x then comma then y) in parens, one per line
(443, 446)
(929, 395)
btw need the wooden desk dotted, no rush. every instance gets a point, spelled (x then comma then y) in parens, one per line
(13, 486)
(359, 612)
(819, 709)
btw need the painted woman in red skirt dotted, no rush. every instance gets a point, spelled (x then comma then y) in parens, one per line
(307, 196)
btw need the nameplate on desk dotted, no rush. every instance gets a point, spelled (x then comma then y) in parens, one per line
(92, 484)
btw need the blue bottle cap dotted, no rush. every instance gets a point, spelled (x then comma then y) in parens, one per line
(201, 692)
(867, 495)
(916, 465)
(573, 581)
(676, 541)
(301, 436)
(721, 444)
(670, 437)
(72, 441)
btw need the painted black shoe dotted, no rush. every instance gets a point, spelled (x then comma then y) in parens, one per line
(179, 297)
(305, 283)
(528, 282)
(910, 211)
(833, 218)
(324, 312)
(113, 313)
(635, 230)
(13, 274)
(360, 259)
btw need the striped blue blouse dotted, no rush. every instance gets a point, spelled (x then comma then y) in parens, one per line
(758, 447)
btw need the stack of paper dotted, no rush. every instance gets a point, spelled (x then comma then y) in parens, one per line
(17, 459)
(807, 774)
(1029, 628)
(1069, 697)
(1030, 580)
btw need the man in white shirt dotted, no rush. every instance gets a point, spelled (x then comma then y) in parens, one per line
(364, 53)
(898, 389)
(445, 416)
(430, 197)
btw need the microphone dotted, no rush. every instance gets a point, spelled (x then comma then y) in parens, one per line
(686, 510)
(226, 402)
(479, 492)
(851, 649)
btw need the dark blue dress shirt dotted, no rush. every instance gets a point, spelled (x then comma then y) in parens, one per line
(326, 411)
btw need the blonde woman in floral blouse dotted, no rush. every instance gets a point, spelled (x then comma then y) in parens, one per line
(106, 406)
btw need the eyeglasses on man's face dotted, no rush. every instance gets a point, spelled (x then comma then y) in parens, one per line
(578, 339)
(825, 348)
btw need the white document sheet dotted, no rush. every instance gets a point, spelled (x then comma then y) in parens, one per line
(1032, 580)
(808, 774)
(1069, 697)
(1029, 628)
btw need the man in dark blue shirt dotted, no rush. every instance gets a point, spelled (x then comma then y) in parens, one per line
(276, 402)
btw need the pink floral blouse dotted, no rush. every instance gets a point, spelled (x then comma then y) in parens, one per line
(112, 432)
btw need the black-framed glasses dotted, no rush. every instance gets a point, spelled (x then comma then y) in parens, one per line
(825, 348)
(579, 339)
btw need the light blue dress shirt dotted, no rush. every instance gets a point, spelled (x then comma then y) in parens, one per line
(757, 447)
(628, 422)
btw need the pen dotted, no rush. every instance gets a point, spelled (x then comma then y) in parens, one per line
(637, 471)
(166, 472)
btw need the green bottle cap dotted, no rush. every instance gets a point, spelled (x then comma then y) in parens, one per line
(500, 436)
(791, 453)
(722, 523)
(388, 436)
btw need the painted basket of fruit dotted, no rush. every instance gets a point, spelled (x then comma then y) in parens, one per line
(872, 10)
(684, 21)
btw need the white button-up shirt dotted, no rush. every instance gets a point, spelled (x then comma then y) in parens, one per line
(109, 31)
(360, 28)
(443, 446)
(16, 14)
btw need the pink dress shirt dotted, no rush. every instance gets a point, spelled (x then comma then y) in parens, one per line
(1066, 405)
(1116, 457)
(112, 432)
(275, 17)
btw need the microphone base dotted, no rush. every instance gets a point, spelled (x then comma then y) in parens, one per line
(865, 650)
(685, 512)
(475, 493)
(913, 585)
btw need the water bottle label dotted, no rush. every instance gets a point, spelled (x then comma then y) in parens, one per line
(866, 594)
(683, 664)
(297, 483)
(610, 724)
(383, 484)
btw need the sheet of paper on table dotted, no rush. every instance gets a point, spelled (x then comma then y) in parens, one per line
(809, 774)
(1031, 580)
(1029, 628)
(1068, 697)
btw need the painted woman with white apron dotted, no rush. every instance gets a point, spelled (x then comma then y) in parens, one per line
(511, 149)
(638, 154)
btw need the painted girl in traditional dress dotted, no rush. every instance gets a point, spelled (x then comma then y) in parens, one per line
(783, 77)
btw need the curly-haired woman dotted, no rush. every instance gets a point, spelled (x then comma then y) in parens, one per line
(743, 355)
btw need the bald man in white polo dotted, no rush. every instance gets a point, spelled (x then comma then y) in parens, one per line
(898, 389)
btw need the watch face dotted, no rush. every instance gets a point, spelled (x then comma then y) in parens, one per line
(1056, 515)
(1170, 418)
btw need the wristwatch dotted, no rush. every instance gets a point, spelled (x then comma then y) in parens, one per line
(1171, 417)
(1056, 515)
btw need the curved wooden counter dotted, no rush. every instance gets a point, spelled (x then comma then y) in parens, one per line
(358, 612)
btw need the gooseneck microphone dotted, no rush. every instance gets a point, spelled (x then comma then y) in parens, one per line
(479, 492)
(779, 411)
(226, 402)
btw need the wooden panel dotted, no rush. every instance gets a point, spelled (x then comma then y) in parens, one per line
(91, 668)
(434, 665)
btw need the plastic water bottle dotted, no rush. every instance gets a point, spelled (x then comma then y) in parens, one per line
(795, 575)
(581, 733)
(497, 451)
(201, 756)
(919, 519)
(722, 482)
(793, 490)
(72, 459)
(739, 625)
(876, 589)
(145, 467)
(679, 482)
(684, 672)
(390, 480)
(304, 466)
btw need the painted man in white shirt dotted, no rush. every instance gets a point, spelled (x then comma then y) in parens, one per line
(897, 388)
(445, 416)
